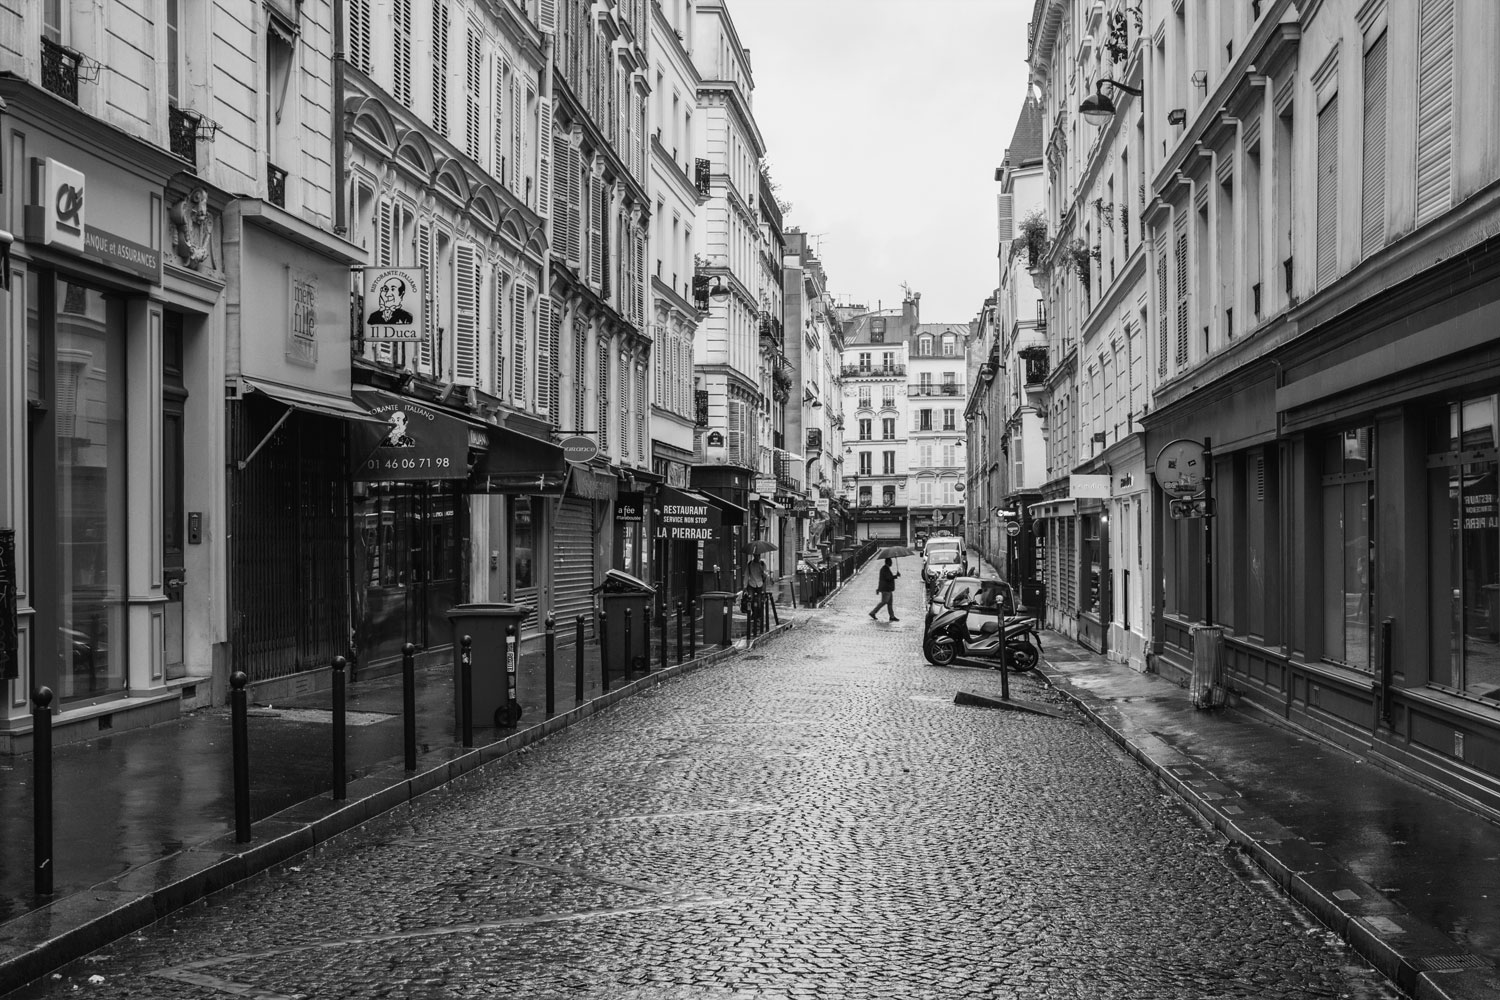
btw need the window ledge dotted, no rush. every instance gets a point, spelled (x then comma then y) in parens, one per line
(1453, 703)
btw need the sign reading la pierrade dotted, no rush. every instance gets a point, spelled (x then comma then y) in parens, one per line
(393, 304)
(683, 518)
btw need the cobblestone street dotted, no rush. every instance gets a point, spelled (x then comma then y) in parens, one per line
(815, 818)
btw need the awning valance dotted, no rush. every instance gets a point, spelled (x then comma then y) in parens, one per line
(520, 463)
(411, 441)
(310, 402)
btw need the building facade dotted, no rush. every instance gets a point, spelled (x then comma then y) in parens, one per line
(876, 457)
(937, 389)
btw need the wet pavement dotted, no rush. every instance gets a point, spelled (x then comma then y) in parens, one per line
(813, 816)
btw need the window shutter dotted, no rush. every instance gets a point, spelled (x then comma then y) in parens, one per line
(1161, 306)
(736, 433)
(575, 207)
(640, 412)
(1007, 223)
(550, 160)
(546, 18)
(466, 315)
(1328, 191)
(497, 330)
(1373, 194)
(596, 233)
(401, 51)
(580, 371)
(546, 350)
(1182, 291)
(359, 34)
(603, 389)
(518, 343)
(383, 236)
(441, 27)
(429, 295)
(518, 165)
(623, 380)
(1434, 109)
(500, 137)
(473, 75)
(638, 278)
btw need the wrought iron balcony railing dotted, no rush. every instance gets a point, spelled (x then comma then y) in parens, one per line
(873, 371)
(275, 185)
(60, 66)
(182, 133)
(702, 178)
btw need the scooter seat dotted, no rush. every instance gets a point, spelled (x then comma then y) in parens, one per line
(989, 628)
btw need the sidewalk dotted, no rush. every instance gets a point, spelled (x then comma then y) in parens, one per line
(1408, 878)
(143, 821)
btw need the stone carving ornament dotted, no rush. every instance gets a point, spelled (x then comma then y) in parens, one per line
(193, 231)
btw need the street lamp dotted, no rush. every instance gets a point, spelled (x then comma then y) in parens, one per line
(1099, 109)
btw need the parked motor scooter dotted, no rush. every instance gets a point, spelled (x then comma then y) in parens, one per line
(949, 638)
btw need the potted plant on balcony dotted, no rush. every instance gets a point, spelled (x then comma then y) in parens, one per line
(1081, 256)
(1031, 240)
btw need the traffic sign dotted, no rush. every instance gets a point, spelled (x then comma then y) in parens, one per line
(1194, 507)
(1013, 528)
(1180, 468)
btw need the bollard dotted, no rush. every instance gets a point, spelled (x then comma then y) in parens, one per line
(239, 712)
(340, 775)
(692, 612)
(510, 712)
(1004, 663)
(728, 624)
(578, 684)
(41, 790)
(630, 646)
(409, 702)
(679, 631)
(466, 689)
(551, 648)
(661, 631)
(603, 628)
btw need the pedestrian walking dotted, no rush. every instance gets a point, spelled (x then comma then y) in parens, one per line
(887, 590)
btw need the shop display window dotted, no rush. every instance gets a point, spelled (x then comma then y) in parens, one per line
(1348, 494)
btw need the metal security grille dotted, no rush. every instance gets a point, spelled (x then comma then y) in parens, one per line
(573, 570)
(288, 541)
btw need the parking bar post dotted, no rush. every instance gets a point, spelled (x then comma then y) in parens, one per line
(41, 790)
(551, 666)
(679, 631)
(630, 645)
(240, 737)
(466, 689)
(578, 684)
(409, 702)
(340, 775)
(728, 624)
(692, 612)
(661, 633)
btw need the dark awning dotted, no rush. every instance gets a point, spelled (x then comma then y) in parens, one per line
(520, 463)
(311, 402)
(683, 515)
(732, 512)
(412, 441)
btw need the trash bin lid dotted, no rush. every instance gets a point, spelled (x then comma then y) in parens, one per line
(717, 593)
(480, 610)
(616, 582)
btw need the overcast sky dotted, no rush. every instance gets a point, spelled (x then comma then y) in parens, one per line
(884, 121)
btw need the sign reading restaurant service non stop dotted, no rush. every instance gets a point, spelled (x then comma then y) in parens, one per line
(684, 518)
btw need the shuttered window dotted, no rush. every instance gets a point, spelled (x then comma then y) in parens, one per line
(736, 450)
(596, 233)
(546, 355)
(518, 343)
(575, 206)
(1182, 290)
(441, 25)
(546, 18)
(401, 56)
(359, 35)
(498, 330)
(1372, 194)
(518, 165)
(1434, 109)
(559, 201)
(466, 285)
(1161, 307)
(1007, 217)
(1328, 191)
(429, 291)
(580, 370)
(603, 388)
(640, 412)
(605, 258)
(623, 387)
(500, 138)
(473, 81)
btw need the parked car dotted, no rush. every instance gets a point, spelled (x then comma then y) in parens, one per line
(982, 595)
(941, 563)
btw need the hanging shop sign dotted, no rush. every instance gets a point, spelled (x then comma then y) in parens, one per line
(579, 450)
(686, 517)
(394, 298)
(630, 507)
(1180, 468)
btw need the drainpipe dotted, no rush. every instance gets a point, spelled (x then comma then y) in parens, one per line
(340, 210)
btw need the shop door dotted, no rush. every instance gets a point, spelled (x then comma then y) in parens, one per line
(174, 576)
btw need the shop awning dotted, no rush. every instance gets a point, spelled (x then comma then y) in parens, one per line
(682, 515)
(731, 512)
(310, 402)
(520, 463)
(411, 441)
(1066, 507)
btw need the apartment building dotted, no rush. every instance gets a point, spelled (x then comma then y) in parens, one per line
(937, 390)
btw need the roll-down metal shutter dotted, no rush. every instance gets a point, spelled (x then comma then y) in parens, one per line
(573, 565)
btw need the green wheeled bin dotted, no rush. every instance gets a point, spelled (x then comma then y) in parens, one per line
(713, 604)
(493, 673)
(619, 592)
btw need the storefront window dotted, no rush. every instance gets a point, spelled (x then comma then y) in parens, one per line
(522, 545)
(1348, 485)
(89, 414)
(1465, 547)
(1093, 565)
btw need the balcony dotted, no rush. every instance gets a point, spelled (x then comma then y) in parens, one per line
(929, 389)
(700, 407)
(275, 185)
(883, 371)
(61, 69)
(702, 178)
(182, 133)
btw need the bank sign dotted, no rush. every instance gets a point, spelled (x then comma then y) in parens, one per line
(684, 518)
